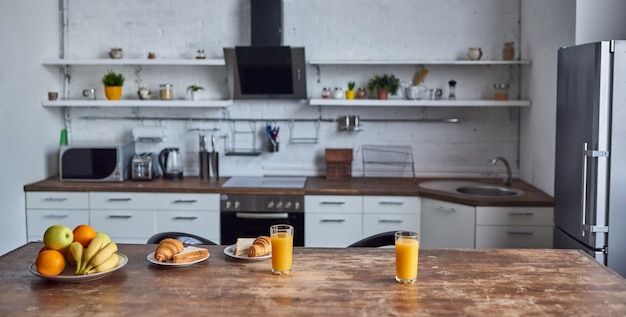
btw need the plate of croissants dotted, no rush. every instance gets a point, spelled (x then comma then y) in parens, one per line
(258, 248)
(172, 252)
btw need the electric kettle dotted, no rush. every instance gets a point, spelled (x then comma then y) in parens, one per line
(171, 162)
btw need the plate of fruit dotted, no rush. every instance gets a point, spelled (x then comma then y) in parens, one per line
(76, 256)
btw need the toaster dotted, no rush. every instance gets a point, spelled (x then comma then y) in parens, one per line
(144, 167)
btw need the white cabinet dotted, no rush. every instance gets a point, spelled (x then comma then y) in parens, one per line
(514, 227)
(192, 213)
(390, 213)
(332, 221)
(126, 217)
(447, 225)
(45, 209)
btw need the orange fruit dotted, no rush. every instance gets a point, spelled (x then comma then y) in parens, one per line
(83, 234)
(50, 262)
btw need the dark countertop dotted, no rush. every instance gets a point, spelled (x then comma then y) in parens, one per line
(314, 186)
(326, 282)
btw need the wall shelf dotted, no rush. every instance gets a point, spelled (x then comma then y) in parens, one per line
(134, 62)
(419, 103)
(138, 103)
(418, 62)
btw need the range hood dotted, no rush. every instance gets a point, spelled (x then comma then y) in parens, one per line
(266, 69)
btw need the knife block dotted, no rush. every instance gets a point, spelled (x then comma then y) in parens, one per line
(338, 164)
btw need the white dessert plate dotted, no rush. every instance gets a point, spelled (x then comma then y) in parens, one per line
(170, 263)
(229, 250)
(68, 275)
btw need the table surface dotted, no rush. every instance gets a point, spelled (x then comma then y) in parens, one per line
(326, 282)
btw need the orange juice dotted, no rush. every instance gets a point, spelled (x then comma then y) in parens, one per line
(282, 252)
(407, 252)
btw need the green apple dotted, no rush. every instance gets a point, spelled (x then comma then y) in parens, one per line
(106, 237)
(58, 237)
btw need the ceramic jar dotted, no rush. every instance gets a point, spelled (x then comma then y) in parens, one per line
(474, 53)
(116, 53)
(144, 93)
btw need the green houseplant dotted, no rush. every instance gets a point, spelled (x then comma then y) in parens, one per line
(383, 85)
(193, 89)
(350, 92)
(113, 83)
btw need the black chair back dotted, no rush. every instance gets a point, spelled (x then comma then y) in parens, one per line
(185, 238)
(378, 240)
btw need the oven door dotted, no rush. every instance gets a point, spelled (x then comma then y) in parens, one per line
(240, 224)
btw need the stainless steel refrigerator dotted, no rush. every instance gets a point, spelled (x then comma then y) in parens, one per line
(590, 171)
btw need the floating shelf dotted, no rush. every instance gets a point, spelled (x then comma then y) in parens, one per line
(134, 62)
(138, 103)
(417, 62)
(419, 103)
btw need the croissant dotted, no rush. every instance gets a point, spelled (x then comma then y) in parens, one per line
(262, 245)
(167, 248)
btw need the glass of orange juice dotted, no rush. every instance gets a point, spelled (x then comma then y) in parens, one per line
(407, 252)
(282, 248)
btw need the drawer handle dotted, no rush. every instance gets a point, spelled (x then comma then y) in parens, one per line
(390, 221)
(185, 218)
(120, 216)
(55, 199)
(120, 199)
(185, 201)
(56, 216)
(521, 213)
(260, 215)
(444, 209)
(395, 203)
(520, 233)
(333, 220)
(333, 203)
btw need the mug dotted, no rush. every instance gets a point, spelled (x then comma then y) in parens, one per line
(89, 93)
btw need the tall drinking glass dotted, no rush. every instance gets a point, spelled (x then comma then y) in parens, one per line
(407, 252)
(282, 248)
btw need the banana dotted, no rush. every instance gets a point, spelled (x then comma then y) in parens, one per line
(94, 246)
(76, 252)
(109, 264)
(102, 256)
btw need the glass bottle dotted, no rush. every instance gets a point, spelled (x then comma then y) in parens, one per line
(451, 92)
(325, 93)
(508, 51)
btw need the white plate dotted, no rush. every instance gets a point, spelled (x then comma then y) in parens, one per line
(170, 263)
(231, 248)
(68, 275)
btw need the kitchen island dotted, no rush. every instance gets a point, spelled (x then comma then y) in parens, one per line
(326, 282)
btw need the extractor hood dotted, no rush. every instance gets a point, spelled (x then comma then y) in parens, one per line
(266, 69)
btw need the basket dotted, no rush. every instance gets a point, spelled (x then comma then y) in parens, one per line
(338, 164)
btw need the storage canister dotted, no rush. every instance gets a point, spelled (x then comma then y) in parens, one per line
(166, 92)
(501, 92)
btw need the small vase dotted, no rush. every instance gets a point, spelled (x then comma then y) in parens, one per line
(382, 94)
(350, 94)
(113, 92)
(474, 53)
(361, 94)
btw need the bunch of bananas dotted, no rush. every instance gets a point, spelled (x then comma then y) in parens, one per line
(97, 257)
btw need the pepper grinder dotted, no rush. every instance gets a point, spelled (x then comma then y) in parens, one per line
(452, 93)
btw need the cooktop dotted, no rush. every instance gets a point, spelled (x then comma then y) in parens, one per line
(265, 182)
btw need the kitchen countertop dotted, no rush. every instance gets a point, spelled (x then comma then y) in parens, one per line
(314, 186)
(326, 282)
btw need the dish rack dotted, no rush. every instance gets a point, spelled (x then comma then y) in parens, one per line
(391, 160)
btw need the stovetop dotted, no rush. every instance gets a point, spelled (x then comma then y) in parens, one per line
(265, 182)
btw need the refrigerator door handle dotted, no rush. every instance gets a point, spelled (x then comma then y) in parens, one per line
(585, 227)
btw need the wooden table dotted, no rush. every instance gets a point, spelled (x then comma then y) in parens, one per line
(326, 282)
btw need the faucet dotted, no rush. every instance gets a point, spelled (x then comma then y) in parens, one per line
(507, 180)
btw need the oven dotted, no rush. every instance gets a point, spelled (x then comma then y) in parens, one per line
(249, 216)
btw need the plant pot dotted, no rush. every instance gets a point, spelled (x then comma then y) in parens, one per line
(350, 94)
(382, 94)
(195, 96)
(113, 92)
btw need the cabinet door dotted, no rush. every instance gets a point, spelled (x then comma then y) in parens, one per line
(332, 229)
(57, 200)
(447, 225)
(122, 200)
(333, 204)
(124, 225)
(491, 237)
(390, 213)
(38, 220)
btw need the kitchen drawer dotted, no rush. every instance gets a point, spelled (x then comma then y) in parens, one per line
(391, 204)
(176, 201)
(203, 223)
(514, 216)
(38, 220)
(57, 200)
(124, 223)
(333, 204)
(378, 223)
(332, 230)
(121, 200)
(492, 237)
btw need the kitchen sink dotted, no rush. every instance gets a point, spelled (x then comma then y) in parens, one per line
(470, 188)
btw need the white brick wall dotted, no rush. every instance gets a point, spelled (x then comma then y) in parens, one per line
(329, 29)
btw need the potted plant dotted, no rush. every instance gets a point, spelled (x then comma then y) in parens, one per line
(193, 89)
(350, 92)
(383, 85)
(113, 83)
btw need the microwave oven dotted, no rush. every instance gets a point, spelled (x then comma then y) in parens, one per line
(96, 162)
